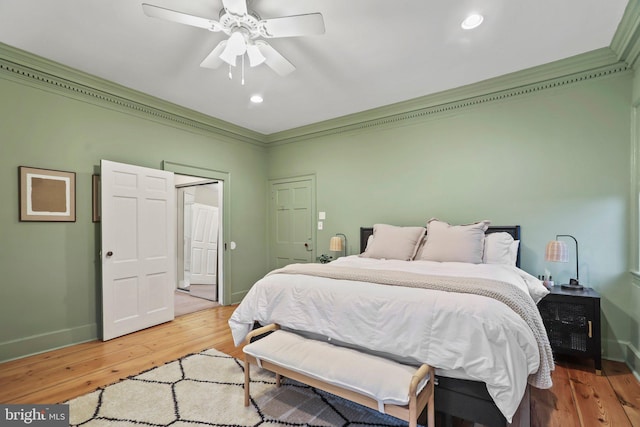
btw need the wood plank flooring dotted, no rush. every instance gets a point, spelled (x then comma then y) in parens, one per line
(578, 397)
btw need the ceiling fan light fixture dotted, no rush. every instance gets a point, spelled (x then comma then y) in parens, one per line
(228, 56)
(255, 56)
(236, 46)
(472, 21)
(238, 43)
(256, 99)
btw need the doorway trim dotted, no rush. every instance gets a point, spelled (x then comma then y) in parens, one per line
(225, 179)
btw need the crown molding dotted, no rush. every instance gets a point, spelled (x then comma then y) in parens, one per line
(595, 64)
(49, 75)
(626, 40)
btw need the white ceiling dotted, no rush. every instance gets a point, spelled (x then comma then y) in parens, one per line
(373, 53)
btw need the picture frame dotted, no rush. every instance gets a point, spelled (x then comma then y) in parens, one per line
(95, 198)
(47, 195)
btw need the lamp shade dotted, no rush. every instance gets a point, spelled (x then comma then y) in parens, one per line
(335, 244)
(557, 251)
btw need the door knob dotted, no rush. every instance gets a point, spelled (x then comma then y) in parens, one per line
(109, 254)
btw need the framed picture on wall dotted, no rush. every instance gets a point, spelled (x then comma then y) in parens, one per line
(47, 195)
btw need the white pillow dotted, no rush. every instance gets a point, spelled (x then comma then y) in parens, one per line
(500, 248)
(454, 243)
(514, 251)
(369, 240)
(392, 242)
(535, 286)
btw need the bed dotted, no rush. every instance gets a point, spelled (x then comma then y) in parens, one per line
(485, 353)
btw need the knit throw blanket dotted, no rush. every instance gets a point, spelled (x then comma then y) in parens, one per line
(506, 293)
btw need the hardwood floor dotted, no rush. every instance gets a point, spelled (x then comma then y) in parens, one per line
(60, 375)
(186, 302)
(578, 397)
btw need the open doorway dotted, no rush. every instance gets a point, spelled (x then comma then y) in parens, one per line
(197, 174)
(199, 243)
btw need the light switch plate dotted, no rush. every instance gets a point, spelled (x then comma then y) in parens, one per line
(320, 225)
(322, 215)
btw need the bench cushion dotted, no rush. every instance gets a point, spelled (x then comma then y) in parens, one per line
(378, 378)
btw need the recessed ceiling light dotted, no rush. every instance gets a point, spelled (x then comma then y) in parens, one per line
(256, 99)
(472, 21)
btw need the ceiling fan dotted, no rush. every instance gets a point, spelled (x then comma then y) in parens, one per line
(245, 30)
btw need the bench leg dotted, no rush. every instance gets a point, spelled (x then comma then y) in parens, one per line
(413, 411)
(246, 382)
(431, 407)
(278, 380)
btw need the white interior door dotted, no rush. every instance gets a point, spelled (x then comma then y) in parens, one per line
(204, 244)
(188, 201)
(138, 222)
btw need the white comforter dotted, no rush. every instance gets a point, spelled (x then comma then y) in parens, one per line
(476, 336)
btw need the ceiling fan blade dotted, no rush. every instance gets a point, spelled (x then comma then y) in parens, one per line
(292, 26)
(182, 18)
(273, 59)
(213, 60)
(235, 7)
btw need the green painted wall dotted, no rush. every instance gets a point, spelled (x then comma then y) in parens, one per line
(632, 355)
(48, 271)
(555, 161)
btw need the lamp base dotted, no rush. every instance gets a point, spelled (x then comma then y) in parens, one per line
(573, 285)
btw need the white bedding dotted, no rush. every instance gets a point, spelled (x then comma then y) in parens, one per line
(478, 337)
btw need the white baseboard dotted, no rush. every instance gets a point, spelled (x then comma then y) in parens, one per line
(623, 351)
(35, 344)
(614, 350)
(633, 360)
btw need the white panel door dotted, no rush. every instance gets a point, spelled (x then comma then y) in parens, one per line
(204, 244)
(138, 224)
(187, 203)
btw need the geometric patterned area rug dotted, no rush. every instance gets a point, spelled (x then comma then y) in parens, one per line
(206, 389)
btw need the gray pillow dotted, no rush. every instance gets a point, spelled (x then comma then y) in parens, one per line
(454, 243)
(393, 242)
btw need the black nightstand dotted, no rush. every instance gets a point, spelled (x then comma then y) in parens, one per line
(572, 320)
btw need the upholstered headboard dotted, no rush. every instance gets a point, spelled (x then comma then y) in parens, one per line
(514, 230)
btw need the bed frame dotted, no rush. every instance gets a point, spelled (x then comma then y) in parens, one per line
(467, 399)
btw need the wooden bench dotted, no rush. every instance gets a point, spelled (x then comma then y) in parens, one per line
(387, 386)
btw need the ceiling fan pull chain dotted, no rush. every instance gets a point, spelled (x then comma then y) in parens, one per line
(242, 70)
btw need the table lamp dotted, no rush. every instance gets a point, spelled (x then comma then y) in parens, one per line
(557, 251)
